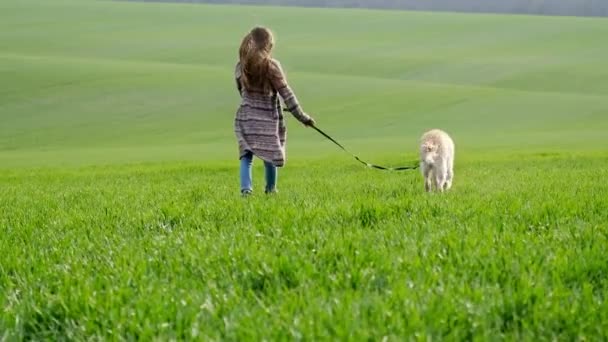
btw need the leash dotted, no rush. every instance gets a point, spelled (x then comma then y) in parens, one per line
(374, 166)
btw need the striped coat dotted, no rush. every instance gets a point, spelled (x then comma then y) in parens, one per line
(259, 124)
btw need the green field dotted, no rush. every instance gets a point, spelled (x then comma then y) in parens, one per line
(120, 216)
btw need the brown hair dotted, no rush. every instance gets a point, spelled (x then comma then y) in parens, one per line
(255, 58)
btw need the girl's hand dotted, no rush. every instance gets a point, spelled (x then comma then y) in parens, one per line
(310, 122)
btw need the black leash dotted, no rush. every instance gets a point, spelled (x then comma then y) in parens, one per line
(379, 167)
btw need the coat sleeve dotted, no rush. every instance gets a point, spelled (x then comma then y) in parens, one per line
(279, 83)
(237, 77)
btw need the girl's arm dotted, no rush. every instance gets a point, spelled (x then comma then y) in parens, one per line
(237, 77)
(279, 82)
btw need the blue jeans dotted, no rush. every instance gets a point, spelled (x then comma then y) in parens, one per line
(246, 179)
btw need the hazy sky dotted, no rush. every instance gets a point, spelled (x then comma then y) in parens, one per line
(547, 7)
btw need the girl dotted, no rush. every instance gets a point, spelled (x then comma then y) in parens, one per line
(259, 125)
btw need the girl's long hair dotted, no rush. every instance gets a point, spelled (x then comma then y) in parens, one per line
(255, 57)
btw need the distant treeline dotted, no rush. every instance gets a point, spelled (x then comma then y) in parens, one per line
(598, 8)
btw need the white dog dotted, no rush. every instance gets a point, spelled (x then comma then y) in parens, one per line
(437, 160)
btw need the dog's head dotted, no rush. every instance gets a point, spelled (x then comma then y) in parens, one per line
(428, 151)
(429, 147)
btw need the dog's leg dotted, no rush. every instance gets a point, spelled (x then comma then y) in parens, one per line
(450, 174)
(426, 172)
(440, 175)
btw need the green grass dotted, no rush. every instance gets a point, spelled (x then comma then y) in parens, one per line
(119, 209)
(171, 251)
